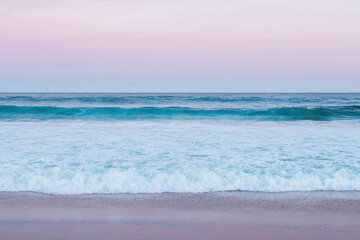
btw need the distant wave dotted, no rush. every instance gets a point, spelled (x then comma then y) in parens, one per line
(172, 98)
(13, 112)
(133, 99)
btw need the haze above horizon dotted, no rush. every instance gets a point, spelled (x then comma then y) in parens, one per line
(189, 46)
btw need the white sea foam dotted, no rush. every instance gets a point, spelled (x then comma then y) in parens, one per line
(74, 157)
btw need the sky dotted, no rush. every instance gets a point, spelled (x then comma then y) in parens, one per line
(180, 46)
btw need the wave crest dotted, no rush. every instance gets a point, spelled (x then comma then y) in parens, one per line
(60, 181)
(183, 113)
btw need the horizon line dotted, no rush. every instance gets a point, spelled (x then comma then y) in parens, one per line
(161, 92)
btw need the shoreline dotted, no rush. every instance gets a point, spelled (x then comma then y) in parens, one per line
(215, 215)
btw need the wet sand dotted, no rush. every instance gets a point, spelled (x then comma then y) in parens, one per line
(231, 215)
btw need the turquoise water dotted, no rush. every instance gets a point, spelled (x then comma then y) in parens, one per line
(263, 107)
(120, 143)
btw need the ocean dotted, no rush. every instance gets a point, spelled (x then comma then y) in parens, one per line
(77, 143)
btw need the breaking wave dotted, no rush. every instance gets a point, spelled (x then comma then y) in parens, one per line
(181, 113)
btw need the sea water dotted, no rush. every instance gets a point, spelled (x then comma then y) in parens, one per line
(154, 143)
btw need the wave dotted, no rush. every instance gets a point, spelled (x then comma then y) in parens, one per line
(12, 112)
(61, 181)
(152, 98)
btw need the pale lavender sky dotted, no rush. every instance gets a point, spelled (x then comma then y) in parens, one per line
(180, 46)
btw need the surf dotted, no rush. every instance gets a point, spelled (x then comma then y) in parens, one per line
(181, 113)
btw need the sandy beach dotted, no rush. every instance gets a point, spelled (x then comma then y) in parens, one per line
(230, 215)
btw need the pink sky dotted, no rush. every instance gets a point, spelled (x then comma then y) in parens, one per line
(199, 45)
